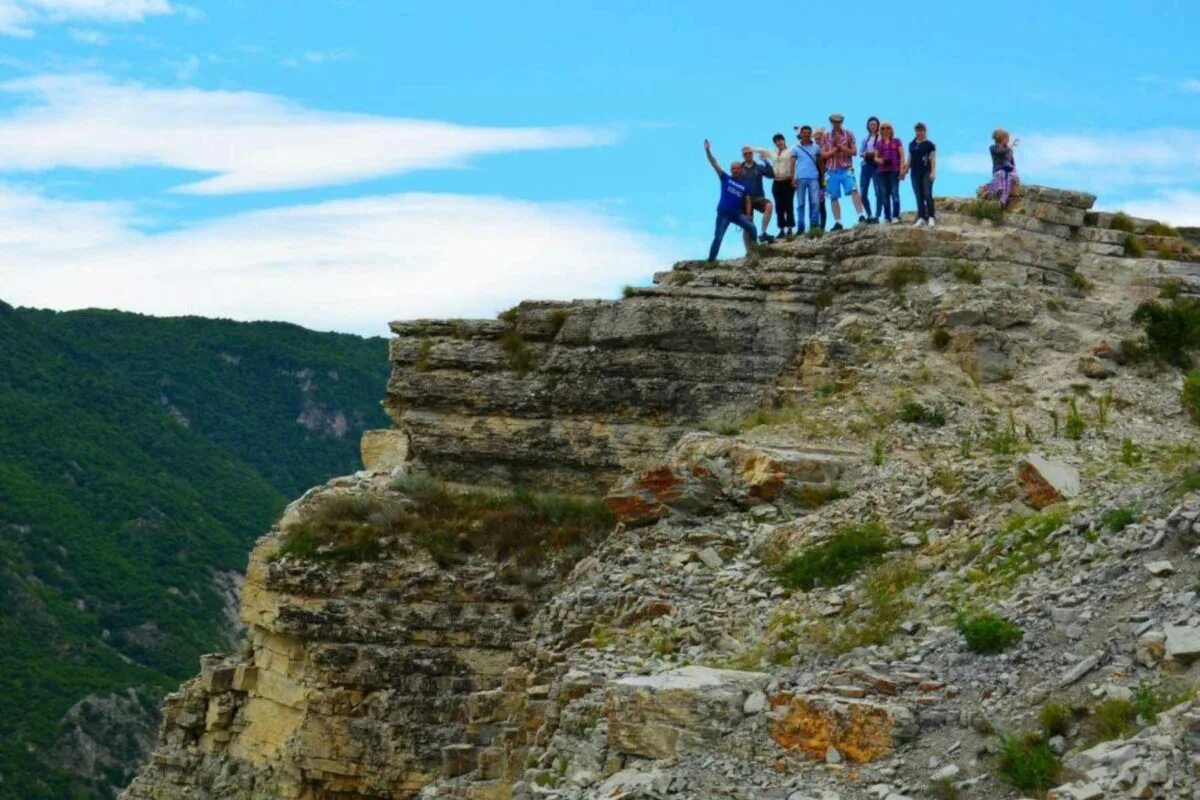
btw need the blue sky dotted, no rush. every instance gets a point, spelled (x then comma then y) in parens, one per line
(341, 163)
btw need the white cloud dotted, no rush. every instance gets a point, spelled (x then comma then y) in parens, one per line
(1191, 85)
(346, 265)
(88, 36)
(251, 141)
(1176, 207)
(318, 57)
(20, 17)
(1101, 161)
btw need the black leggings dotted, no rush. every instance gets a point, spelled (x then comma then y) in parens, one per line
(923, 188)
(785, 203)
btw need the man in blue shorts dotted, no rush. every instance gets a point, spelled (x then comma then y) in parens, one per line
(733, 206)
(839, 149)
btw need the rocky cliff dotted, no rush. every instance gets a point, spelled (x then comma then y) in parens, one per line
(899, 512)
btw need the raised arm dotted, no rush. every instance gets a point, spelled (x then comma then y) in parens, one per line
(711, 159)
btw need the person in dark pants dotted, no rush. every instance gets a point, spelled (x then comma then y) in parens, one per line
(783, 188)
(733, 206)
(869, 167)
(922, 163)
(752, 175)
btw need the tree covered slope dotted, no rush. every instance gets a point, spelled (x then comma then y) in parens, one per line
(139, 459)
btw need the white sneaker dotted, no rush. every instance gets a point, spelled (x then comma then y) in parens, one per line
(920, 223)
(932, 222)
(895, 221)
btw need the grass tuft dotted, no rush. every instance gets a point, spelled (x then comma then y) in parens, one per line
(1056, 718)
(1171, 328)
(1026, 762)
(918, 414)
(1161, 229)
(900, 276)
(838, 558)
(967, 272)
(1189, 397)
(984, 209)
(1118, 519)
(1134, 246)
(940, 338)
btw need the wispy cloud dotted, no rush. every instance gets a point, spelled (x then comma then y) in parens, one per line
(1174, 206)
(347, 265)
(1190, 85)
(21, 17)
(318, 57)
(248, 141)
(88, 36)
(1101, 161)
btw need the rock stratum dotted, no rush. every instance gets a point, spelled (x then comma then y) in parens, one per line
(898, 513)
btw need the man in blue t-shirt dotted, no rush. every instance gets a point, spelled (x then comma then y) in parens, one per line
(733, 206)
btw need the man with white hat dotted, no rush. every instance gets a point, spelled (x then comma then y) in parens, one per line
(838, 150)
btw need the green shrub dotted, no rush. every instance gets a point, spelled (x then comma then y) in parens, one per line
(1056, 718)
(984, 209)
(988, 633)
(1122, 222)
(1112, 719)
(940, 338)
(628, 291)
(900, 276)
(558, 318)
(1161, 229)
(838, 558)
(1190, 396)
(878, 452)
(1080, 283)
(1134, 246)
(1118, 519)
(823, 298)
(1170, 289)
(967, 272)
(1171, 328)
(1149, 701)
(1027, 763)
(918, 414)
(339, 528)
(509, 315)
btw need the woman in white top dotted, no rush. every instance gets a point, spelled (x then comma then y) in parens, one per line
(867, 151)
(783, 189)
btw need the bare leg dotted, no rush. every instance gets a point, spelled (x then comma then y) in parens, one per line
(857, 198)
(766, 223)
(837, 210)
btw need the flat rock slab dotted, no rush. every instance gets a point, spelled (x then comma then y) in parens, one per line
(685, 710)
(1047, 482)
(1183, 642)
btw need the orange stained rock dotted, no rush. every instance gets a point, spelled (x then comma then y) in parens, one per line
(861, 732)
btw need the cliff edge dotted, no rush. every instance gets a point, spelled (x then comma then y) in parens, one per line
(890, 513)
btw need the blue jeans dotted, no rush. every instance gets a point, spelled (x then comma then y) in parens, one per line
(724, 218)
(868, 174)
(887, 190)
(808, 189)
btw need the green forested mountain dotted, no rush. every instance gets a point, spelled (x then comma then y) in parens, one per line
(139, 459)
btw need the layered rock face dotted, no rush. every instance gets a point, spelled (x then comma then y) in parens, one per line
(576, 394)
(925, 380)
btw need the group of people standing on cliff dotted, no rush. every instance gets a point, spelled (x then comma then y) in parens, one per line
(820, 167)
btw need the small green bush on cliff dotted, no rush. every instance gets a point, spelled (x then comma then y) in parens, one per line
(837, 559)
(1171, 328)
(1027, 763)
(1121, 222)
(1161, 229)
(988, 633)
(984, 209)
(1134, 246)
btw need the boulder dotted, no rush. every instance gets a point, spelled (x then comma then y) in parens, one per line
(685, 710)
(1046, 482)
(384, 449)
(859, 730)
(1182, 642)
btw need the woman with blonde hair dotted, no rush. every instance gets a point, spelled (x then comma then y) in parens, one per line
(1004, 169)
(889, 161)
